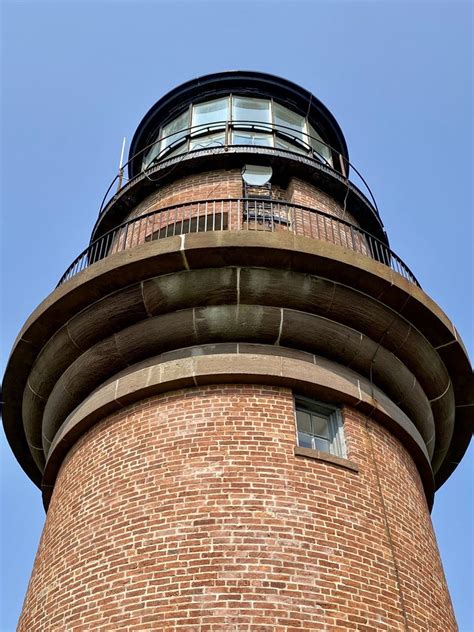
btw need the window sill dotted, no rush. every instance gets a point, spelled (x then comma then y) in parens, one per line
(317, 455)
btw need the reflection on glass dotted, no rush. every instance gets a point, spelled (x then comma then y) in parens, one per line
(281, 143)
(290, 122)
(211, 112)
(252, 138)
(319, 147)
(304, 421)
(181, 149)
(150, 155)
(255, 110)
(174, 130)
(321, 444)
(305, 440)
(258, 122)
(207, 140)
(320, 425)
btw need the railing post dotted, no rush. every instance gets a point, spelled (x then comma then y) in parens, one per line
(124, 236)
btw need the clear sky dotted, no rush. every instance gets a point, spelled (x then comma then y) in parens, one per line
(78, 76)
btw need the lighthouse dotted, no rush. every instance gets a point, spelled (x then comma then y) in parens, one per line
(238, 402)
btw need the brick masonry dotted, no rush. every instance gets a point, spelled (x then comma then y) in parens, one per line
(227, 185)
(190, 511)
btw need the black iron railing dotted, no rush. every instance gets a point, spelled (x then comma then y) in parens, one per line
(239, 214)
(185, 142)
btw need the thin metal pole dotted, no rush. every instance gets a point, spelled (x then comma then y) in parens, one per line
(120, 173)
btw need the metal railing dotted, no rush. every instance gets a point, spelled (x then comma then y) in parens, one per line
(303, 145)
(237, 214)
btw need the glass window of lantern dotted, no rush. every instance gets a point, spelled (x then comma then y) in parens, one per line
(251, 110)
(289, 122)
(150, 155)
(281, 143)
(317, 143)
(210, 112)
(174, 131)
(207, 140)
(244, 137)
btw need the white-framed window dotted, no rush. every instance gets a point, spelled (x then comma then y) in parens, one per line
(319, 426)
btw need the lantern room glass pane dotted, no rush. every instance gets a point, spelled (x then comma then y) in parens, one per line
(289, 122)
(170, 134)
(216, 111)
(207, 140)
(252, 138)
(281, 143)
(253, 110)
(181, 149)
(318, 145)
(174, 130)
(150, 155)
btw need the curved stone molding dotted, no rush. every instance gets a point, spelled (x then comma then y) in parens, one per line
(229, 323)
(306, 373)
(403, 330)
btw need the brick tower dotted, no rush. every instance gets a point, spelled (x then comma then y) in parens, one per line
(238, 402)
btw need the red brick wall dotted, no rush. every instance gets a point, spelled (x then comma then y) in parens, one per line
(200, 186)
(190, 511)
(228, 184)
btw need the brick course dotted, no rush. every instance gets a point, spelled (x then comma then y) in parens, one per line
(190, 511)
(226, 215)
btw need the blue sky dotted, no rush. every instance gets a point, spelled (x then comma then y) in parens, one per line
(78, 76)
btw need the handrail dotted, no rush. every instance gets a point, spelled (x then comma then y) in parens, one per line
(247, 214)
(198, 130)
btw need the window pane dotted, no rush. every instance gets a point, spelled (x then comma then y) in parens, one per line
(209, 140)
(319, 147)
(244, 109)
(321, 444)
(303, 421)
(181, 149)
(174, 130)
(211, 112)
(320, 425)
(288, 119)
(151, 155)
(252, 138)
(285, 144)
(304, 440)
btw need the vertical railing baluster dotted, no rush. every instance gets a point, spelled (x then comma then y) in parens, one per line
(341, 240)
(352, 238)
(377, 249)
(232, 215)
(160, 227)
(152, 232)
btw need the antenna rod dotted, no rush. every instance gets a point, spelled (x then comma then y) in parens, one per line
(120, 173)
